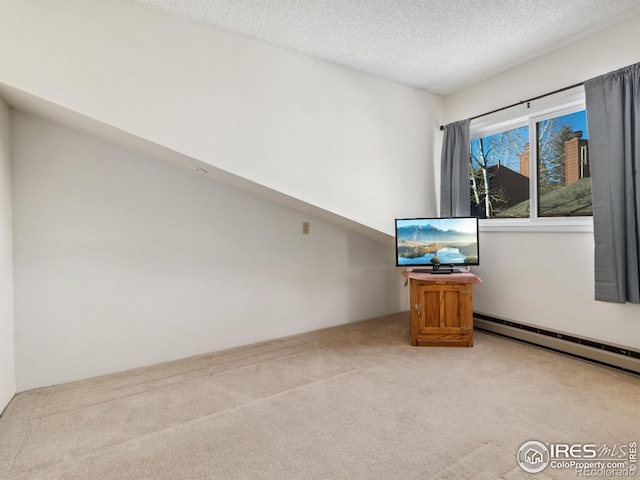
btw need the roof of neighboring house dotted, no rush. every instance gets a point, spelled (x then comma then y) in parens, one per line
(575, 198)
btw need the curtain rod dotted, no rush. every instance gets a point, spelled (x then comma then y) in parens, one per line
(524, 101)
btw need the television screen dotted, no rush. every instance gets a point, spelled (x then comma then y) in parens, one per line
(437, 242)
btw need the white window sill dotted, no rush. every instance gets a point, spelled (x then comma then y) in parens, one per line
(584, 224)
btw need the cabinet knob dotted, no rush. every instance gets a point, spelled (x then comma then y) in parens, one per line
(417, 308)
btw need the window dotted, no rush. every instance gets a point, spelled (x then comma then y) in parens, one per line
(500, 174)
(533, 170)
(564, 184)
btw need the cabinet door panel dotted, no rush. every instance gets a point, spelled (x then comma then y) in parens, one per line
(442, 314)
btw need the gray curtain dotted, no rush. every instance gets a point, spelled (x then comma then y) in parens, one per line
(455, 188)
(613, 115)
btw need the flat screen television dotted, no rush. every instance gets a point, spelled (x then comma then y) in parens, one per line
(439, 243)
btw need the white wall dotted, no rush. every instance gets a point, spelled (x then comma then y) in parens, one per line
(335, 138)
(522, 282)
(122, 260)
(7, 364)
(109, 253)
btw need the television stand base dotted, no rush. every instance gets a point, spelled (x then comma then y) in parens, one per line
(439, 271)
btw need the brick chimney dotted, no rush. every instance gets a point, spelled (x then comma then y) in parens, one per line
(576, 159)
(524, 161)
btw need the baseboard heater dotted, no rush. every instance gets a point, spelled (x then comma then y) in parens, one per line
(609, 355)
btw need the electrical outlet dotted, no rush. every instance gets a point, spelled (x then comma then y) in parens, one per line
(305, 228)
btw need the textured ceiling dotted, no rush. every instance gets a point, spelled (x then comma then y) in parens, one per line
(440, 46)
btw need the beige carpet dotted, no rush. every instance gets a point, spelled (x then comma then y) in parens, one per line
(352, 402)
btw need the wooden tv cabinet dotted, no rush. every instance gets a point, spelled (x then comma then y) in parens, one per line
(442, 309)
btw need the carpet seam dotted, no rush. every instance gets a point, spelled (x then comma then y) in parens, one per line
(63, 390)
(112, 446)
(28, 430)
(217, 374)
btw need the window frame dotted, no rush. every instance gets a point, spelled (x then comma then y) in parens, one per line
(529, 115)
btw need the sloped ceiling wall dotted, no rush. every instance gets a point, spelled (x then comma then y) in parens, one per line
(353, 145)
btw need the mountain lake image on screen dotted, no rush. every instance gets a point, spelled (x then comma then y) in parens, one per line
(437, 242)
